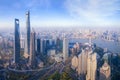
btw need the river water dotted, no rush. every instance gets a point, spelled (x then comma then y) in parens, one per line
(110, 45)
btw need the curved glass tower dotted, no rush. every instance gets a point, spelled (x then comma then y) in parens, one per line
(27, 38)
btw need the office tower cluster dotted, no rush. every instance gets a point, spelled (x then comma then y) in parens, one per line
(29, 49)
(110, 36)
(34, 45)
(59, 49)
(43, 45)
(85, 63)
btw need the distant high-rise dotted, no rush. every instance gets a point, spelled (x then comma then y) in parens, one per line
(65, 49)
(38, 45)
(59, 45)
(17, 42)
(32, 49)
(90, 37)
(44, 51)
(27, 40)
(41, 46)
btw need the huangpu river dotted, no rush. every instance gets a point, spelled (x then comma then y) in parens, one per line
(110, 45)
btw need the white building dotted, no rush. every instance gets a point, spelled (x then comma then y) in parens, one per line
(74, 62)
(82, 62)
(65, 49)
(91, 66)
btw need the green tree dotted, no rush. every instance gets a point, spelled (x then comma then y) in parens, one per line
(55, 76)
(65, 76)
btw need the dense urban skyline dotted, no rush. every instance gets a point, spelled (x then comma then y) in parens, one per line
(74, 54)
(61, 12)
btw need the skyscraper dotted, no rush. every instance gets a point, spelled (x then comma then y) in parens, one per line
(41, 46)
(74, 62)
(65, 49)
(27, 40)
(38, 45)
(45, 45)
(17, 42)
(91, 66)
(32, 49)
(82, 62)
(59, 45)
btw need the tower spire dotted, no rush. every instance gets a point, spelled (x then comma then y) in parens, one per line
(27, 40)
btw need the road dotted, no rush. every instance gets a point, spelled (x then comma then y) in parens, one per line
(36, 70)
(41, 73)
(44, 74)
(2, 74)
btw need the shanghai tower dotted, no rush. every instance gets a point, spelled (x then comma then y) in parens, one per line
(27, 38)
(17, 42)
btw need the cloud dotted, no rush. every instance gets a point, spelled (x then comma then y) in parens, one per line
(30, 4)
(38, 3)
(98, 11)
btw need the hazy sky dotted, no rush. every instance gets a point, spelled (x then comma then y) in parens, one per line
(60, 12)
